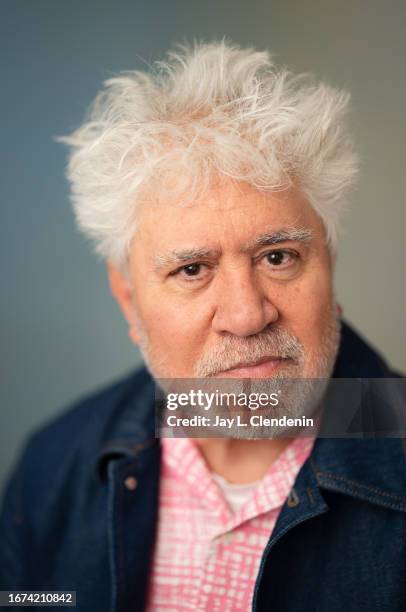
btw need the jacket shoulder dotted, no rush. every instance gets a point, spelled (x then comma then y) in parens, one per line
(55, 477)
(92, 414)
(65, 447)
(357, 358)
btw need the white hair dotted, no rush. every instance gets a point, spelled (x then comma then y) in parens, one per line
(208, 110)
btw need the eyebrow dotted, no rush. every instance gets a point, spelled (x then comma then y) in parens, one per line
(290, 233)
(179, 257)
(176, 257)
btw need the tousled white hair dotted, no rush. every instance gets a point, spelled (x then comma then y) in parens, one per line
(208, 110)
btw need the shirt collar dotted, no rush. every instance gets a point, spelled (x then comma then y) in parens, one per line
(183, 462)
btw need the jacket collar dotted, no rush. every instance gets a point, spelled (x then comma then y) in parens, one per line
(357, 359)
(371, 469)
(132, 428)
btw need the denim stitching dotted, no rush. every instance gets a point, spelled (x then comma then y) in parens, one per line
(360, 486)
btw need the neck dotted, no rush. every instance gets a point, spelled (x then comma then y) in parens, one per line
(240, 461)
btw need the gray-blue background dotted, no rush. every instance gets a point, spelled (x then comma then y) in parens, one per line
(61, 333)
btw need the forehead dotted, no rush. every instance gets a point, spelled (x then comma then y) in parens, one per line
(228, 214)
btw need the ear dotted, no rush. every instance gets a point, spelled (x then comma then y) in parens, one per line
(121, 289)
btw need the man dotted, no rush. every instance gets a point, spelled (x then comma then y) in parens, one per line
(213, 189)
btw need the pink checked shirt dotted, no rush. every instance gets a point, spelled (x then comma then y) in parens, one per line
(207, 556)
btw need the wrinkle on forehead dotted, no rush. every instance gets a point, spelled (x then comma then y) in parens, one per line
(193, 224)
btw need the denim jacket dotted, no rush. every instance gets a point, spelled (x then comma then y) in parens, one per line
(68, 521)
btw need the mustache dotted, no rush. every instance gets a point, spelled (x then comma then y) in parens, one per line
(274, 342)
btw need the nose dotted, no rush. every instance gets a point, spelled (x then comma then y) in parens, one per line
(243, 307)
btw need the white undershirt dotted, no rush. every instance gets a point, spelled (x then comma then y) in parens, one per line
(236, 494)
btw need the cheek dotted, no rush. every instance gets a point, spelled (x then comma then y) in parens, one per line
(310, 310)
(176, 329)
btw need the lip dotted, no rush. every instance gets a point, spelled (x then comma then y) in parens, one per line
(263, 368)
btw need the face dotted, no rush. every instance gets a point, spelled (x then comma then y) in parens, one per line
(238, 285)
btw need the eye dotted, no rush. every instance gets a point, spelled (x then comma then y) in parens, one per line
(192, 269)
(281, 259)
(277, 258)
(192, 272)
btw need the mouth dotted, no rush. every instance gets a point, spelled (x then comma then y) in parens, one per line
(261, 368)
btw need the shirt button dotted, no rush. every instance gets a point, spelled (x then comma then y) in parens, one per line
(130, 483)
